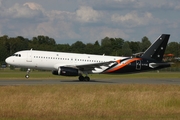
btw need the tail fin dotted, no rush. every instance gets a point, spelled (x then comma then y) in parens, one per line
(157, 49)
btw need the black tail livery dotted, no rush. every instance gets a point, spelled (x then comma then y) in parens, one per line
(151, 59)
(157, 49)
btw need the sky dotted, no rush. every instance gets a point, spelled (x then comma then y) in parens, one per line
(68, 21)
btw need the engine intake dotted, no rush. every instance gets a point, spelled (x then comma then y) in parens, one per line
(66, 71)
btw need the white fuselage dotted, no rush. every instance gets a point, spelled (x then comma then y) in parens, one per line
(53, 60)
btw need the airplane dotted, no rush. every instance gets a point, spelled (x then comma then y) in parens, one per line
(73, 64)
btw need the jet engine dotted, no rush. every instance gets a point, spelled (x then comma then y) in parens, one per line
(66, 71)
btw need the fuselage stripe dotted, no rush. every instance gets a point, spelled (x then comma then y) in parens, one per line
(121, 66)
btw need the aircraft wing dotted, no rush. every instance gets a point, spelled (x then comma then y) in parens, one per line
(92, 68)
(96, 67)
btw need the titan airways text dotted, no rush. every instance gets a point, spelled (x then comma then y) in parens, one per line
(72, 64)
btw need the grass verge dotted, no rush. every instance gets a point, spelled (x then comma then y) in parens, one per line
(16, 74)
(99, 102)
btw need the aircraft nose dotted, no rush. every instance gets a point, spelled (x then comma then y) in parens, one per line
(8, 61)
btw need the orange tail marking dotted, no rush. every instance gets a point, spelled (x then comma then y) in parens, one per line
(123, 65)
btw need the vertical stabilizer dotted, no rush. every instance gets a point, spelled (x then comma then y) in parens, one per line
(157, 49)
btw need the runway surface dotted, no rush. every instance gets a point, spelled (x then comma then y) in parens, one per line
(175, 81)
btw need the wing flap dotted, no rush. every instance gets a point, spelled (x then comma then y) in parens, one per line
(96, 67)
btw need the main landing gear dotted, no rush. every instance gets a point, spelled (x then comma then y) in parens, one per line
(27, 75)
(82, 78)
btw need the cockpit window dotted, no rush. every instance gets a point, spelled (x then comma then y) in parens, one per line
(17, 55)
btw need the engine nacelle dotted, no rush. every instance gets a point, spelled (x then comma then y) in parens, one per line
(66, 71)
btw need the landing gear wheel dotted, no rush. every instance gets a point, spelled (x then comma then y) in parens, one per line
(27, 76)
(81, 78)
(86, 78)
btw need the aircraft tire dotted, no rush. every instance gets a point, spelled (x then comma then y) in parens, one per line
(86, 78)
(81, 78)
(27, 76)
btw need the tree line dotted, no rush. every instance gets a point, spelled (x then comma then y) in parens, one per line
(107, 46)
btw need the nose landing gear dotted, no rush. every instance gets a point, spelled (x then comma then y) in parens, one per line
(27, 75)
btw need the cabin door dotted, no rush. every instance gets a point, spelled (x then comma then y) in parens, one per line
(29, 56)
(138, 65)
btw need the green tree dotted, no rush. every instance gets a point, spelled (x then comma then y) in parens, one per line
(78, 47)
(117, 44)
(126, 49)
(145, 43)
(173, 48)
(16, 44)
(43, 43)
(135, 46)
(4, 53)
(89, 49)
(96, 48)
(105, 42)
(63, 47)
(43, 40)
(106, 46)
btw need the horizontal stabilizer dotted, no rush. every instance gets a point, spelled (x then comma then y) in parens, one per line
(155, 65)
